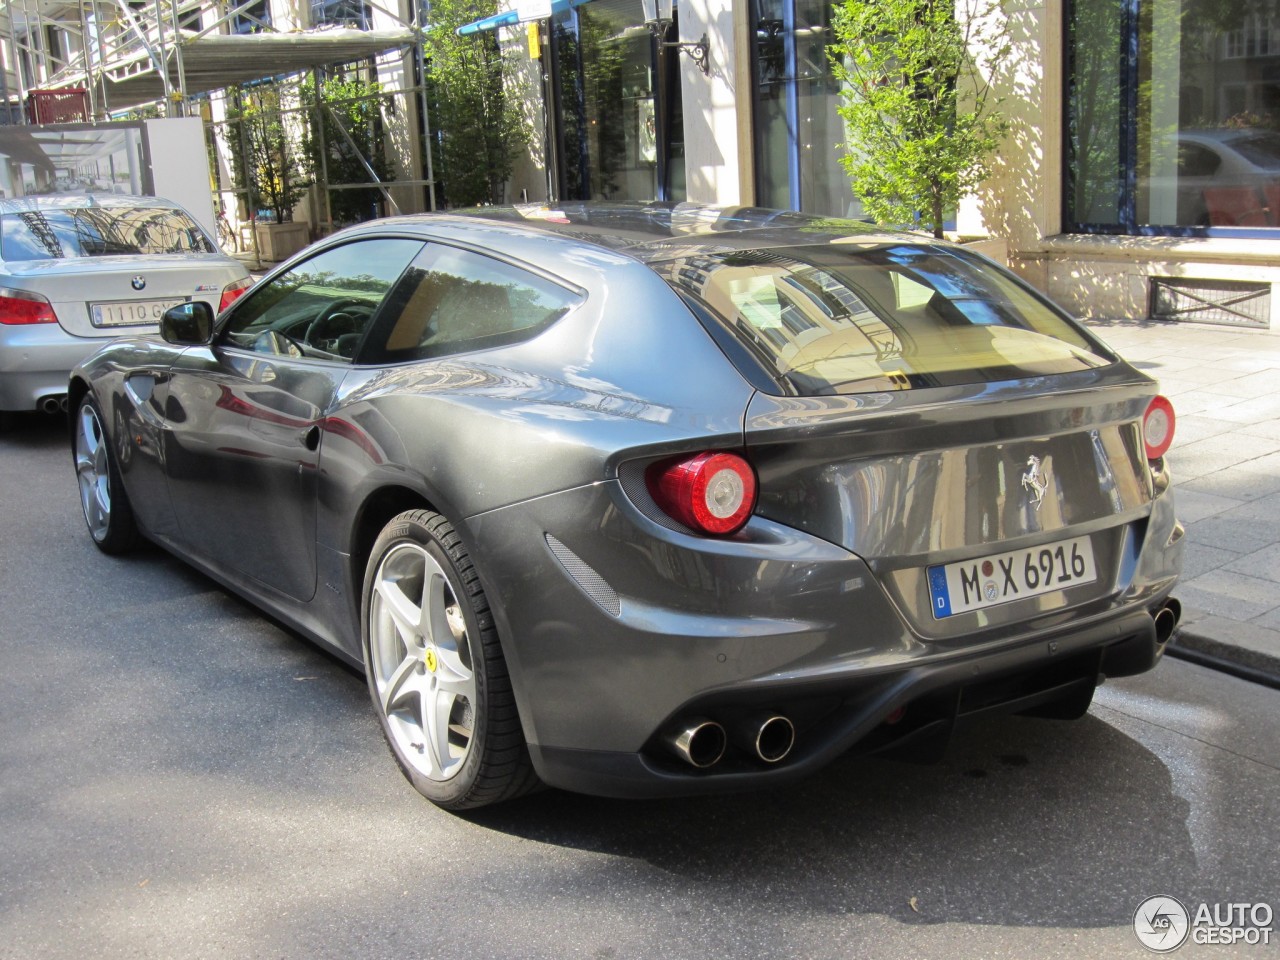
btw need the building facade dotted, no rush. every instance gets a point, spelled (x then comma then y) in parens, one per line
(1140, 175)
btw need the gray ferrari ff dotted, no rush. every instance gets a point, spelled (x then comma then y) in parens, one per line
(652, 500)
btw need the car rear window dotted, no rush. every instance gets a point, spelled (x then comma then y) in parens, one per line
(98, 232)
(855, 318)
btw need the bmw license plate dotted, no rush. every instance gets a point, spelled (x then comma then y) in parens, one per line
(987, 581)
(130, 313)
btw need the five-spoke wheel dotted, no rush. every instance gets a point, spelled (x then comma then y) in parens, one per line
(106, 507)
(420, 659)
(435, 666)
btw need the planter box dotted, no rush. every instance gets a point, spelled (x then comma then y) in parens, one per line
(280, 241)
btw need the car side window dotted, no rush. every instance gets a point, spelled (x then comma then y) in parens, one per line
(323, 306)
(452, 301)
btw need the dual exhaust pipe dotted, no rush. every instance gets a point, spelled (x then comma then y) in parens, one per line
(54, 403)
(702, 743)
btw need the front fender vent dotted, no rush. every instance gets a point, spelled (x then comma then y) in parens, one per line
(590, 582)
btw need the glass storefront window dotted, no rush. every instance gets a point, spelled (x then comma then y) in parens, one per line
(610, 105)
(1173, 115)
(798, 133)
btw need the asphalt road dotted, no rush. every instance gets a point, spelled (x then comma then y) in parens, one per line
(180, 777)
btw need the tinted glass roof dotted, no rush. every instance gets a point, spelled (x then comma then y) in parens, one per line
(660, 231)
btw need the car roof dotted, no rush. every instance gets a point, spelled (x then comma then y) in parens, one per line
(657, 231)
(78, 201)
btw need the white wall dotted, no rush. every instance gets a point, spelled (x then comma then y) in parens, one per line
(180, 166)
(716, 108)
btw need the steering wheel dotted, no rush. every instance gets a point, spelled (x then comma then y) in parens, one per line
(334, 321)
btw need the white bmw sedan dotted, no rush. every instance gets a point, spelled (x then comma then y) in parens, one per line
(76, 271)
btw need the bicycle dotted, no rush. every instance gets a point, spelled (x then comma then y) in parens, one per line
(226, 236)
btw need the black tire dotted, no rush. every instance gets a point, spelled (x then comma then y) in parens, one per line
(408, 671)
(107, 511)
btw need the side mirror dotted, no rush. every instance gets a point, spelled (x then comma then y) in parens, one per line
(187, 324)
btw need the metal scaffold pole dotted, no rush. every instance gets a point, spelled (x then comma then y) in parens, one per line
(423, 101)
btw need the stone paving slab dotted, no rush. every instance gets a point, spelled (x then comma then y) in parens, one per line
(1224, 383)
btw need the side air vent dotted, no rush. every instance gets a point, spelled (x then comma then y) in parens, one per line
(591, 583)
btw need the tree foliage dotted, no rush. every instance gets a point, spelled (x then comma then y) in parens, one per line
(477, 127)
(917, 102)
(264, 150)
(351, 104)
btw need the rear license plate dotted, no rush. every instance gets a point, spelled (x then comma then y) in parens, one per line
(989, 581)
(130, 313)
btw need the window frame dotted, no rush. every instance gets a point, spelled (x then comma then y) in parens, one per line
(1130, 40)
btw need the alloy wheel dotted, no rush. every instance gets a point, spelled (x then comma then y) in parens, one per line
(93, 472)
(421, 661)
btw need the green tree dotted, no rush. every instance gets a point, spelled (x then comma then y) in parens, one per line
(264, 150)
(347, 103)
(917, 102)
(478, 128)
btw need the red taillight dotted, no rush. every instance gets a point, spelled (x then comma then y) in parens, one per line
(712, 492)
(1157, 428)
(19, 306)
(233, 292)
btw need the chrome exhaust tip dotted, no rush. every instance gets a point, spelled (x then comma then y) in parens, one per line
(700, 743)
(774, 737)
(1166, 620)
(52, 404)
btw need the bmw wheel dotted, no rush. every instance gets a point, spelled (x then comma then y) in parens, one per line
(106, 506)
(435, 668)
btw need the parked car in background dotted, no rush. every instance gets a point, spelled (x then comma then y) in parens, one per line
(652, 500)
(76, 271)
(1225, 177)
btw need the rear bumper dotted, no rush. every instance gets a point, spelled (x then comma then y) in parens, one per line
(618, 632)
(36, 361)
(866, 712)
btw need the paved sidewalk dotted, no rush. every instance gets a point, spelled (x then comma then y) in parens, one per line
(1224, 383)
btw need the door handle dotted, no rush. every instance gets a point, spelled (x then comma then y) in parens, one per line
(311, 437)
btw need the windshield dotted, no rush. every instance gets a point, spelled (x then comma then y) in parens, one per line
(846, 319)
(98, 232)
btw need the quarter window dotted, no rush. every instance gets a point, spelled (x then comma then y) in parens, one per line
(452, 301)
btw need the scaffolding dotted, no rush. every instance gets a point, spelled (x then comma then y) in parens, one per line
(180, 57)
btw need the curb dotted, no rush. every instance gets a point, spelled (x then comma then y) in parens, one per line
(1246, 662)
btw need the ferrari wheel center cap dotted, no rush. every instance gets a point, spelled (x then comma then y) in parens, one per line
(429, 659)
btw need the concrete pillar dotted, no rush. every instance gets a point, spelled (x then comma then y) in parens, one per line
(717, 108)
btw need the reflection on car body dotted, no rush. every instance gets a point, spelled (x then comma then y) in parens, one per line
(651, 500)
